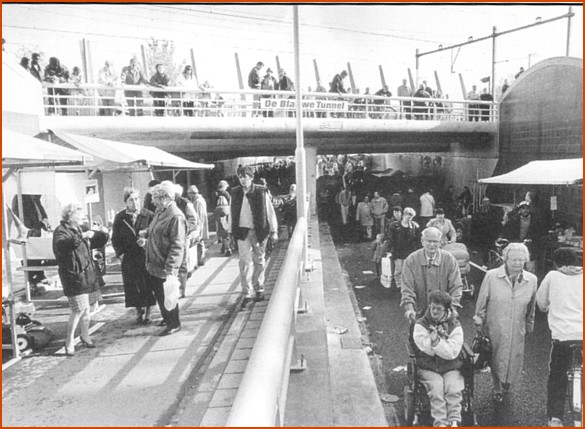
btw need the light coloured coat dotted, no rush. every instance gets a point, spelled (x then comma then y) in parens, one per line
(364, 214)
(507, 314)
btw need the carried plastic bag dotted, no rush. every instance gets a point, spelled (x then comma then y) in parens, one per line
(386, 276)
(171, 289)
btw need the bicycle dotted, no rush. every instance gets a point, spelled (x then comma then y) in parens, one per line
(495, 257)
(575, 384)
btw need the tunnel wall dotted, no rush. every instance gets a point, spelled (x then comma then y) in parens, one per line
(541, 118)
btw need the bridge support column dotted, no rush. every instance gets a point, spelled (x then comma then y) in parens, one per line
(311, 176)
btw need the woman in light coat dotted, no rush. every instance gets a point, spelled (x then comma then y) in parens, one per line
(364, 216)
(505, 312)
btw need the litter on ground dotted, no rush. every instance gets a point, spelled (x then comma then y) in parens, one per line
(388, 398)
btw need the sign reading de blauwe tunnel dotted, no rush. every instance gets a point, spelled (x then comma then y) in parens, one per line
(290, 103)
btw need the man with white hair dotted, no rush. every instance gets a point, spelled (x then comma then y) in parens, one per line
(426, 270)
(188, 210)
(201, 210)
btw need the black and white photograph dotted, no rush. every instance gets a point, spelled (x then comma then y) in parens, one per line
(292, 214)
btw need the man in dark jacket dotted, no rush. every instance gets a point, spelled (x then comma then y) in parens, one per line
(486, 226)
(160, 80)
(55, 73)
(526, 225)
(35, 67)
(253, 222)
(132, 75)
(255, 82)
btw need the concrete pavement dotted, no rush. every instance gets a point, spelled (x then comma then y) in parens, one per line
(135, 378)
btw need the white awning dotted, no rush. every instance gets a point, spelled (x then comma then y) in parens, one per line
(553, 172)
(19, 150)
(127, 153)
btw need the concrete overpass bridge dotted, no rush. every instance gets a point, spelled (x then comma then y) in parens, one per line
(213, 139)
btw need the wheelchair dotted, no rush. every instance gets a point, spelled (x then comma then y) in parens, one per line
(417, 408)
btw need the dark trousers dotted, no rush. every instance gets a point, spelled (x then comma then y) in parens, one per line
(560, 362)
(171, 317)
(135, 101)
(405, 114)
(188, 108)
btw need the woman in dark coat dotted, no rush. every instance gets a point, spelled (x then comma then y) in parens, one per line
(125, 239)
(72, 248)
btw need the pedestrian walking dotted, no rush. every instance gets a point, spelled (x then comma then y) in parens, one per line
(426, 270)
(221, 214)
(561, 296)
(253, 223)
(200, 206)
(364, 217)
(505, 313)
(403, 239)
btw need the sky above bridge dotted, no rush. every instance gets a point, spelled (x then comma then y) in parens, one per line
(366, 36)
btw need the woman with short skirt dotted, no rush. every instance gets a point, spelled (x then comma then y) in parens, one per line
(72, 248)
(126, 242)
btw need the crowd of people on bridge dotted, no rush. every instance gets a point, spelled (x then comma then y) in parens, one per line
(201, 101)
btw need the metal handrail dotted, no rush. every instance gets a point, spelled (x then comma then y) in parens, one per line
(261, 396)
(89, 99)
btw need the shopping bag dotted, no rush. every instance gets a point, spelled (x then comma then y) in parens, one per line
(386, 276)
(171, 289)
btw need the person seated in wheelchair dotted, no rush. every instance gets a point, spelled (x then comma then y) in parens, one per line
(438, 337)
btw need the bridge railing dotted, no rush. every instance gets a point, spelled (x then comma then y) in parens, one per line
(100, 100)
(261, 397)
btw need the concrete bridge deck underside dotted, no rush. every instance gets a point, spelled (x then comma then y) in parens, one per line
(224, 138)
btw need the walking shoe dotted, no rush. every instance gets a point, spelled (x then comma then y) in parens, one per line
(555, 422)
(454, 424)
(246, 303)
(162, 323)
(228, 253)
(259, 297)
(169, 331)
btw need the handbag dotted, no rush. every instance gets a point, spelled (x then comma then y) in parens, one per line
(386, 276)
(171, 290)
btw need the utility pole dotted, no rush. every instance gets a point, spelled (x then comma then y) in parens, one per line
(317, 77)
(193, 65)
(493, 82)
(351, 80)
(569, 29)
(495, 34)
(382, 76)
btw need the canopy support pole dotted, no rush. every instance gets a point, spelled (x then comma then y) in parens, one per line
(24, 255)
(8, 267)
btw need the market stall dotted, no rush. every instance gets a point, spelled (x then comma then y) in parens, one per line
(20, 152)
(562, 178)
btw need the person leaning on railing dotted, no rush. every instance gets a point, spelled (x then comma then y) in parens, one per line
(107, 76)
(56, 73)
(159, 80)
(132, 75)
(189, 99)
